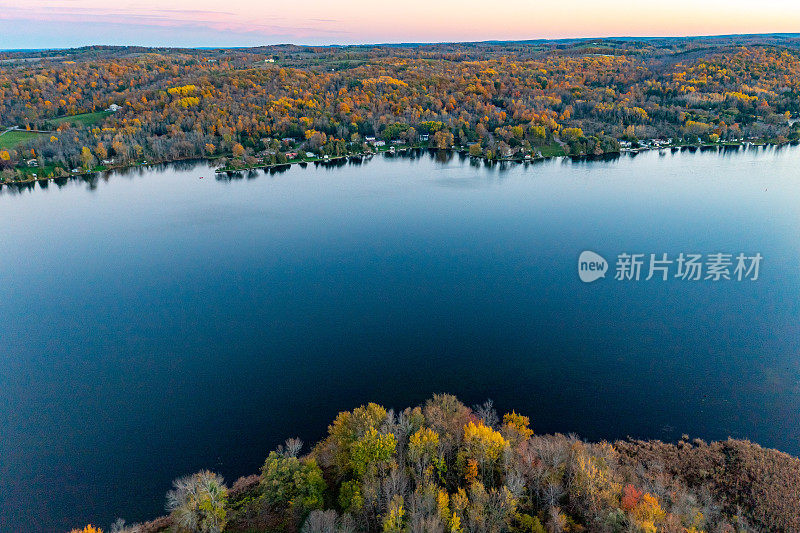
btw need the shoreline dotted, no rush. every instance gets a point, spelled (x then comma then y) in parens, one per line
(393, 151)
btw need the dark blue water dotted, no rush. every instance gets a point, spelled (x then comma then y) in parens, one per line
(153, 323)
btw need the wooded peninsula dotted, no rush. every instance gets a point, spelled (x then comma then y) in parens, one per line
(67, 112)
(444, 467)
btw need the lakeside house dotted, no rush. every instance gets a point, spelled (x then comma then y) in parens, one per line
(423, 137)
(32, 163)
(379, 143)
(113, 108)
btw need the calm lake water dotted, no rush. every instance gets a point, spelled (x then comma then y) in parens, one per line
(154, 323)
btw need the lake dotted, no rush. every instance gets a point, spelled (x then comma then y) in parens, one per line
(155, 323)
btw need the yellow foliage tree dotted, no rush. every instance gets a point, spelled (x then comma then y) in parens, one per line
(185, 90)
(423, 445)
(484, 445)
(593, 480)
(517, 427)
(394, 521)
(648, 513)
(88, 529)
(483, 442)
(87, 158)
(101, 151)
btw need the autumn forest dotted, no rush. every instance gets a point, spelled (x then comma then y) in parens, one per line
(89, 109)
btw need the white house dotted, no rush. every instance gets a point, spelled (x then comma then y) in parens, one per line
(113, 108)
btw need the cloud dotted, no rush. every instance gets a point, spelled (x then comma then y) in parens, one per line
(198, 19)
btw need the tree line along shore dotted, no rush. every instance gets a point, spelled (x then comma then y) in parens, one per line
(95, 108)
(231, 165)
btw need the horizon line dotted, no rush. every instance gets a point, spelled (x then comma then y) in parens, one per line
(419, 43)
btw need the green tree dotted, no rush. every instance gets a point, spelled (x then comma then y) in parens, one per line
(287, 481)
(335, 450)
(372, 452)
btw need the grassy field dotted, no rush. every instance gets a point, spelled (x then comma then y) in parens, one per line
(551, 150)
(85, 119)
(12, 139)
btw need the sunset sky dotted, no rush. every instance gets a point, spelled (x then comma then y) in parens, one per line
(65, 23)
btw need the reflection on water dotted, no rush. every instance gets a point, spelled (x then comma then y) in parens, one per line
(442, 157)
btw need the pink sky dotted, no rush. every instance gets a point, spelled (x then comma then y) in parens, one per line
(58, 23)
